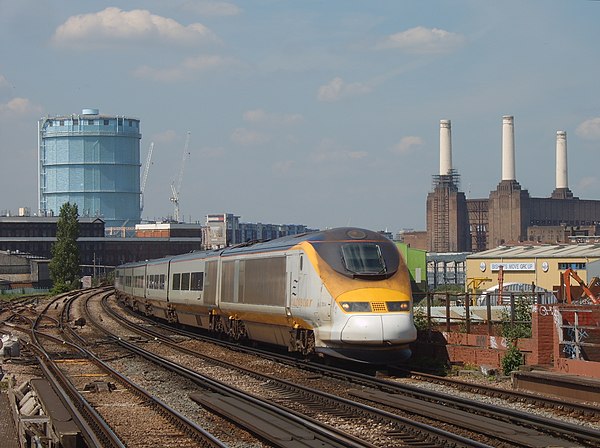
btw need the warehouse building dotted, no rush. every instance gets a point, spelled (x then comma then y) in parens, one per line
(541, 266)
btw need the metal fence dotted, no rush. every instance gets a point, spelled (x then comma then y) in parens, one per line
(489, 314)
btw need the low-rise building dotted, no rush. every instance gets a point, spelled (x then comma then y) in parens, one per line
(23, 270)
(540, 266)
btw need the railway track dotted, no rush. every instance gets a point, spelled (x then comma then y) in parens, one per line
(257, 412)
(279, 403)
(127, 415)
(562, 406)
(509, 427)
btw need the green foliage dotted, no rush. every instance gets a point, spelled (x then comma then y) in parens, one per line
(420, 317)
(511, 360)
(64, 266)
(521, 328)
(104, 280)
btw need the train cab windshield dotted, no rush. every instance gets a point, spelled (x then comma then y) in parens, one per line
(359, 254)
(363, 259)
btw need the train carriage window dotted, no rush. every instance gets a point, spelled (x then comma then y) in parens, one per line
(162, 281)
(176, 282)
(185, 281)
(197, 281)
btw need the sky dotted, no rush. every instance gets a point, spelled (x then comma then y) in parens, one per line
(323, 113)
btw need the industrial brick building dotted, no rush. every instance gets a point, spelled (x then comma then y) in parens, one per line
(35, 235)
(509, 215)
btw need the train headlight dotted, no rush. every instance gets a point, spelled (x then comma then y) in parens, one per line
(398, 306)
(356, 307)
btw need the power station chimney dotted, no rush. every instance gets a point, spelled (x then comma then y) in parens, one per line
(508, 148)
(562, 178)
(445, 148)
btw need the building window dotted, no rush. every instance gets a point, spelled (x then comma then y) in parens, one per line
(62, 122)
(105, 122)
(75, 121)
(90, 122)
(574, 266)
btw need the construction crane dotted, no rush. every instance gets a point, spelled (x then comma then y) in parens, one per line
(176, 186)
(566, 281)
(145, 176)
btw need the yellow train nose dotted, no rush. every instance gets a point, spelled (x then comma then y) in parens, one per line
(374, 300)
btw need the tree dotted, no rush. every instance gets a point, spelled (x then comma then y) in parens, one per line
(64, 266)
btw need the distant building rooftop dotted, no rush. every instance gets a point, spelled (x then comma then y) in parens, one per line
(545, 251)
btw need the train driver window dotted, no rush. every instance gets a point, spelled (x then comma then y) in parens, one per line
(176, 282)
(363, 258)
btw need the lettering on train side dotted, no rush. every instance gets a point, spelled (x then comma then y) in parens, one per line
(302, 303)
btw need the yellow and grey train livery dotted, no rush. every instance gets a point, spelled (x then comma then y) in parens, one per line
(342, 292)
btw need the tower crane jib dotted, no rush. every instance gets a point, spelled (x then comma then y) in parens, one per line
(145, 175)
(176, 186)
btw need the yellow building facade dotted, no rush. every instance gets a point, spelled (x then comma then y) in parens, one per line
(541, 266)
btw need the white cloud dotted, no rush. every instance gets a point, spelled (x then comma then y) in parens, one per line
(186, 69)
(261, 116)
(421, 40)
(329, 150)
(337, 89)
(19, 106)
(114, 24)
(589, 129)
(244, 136)
(213, 8)
(407, 145)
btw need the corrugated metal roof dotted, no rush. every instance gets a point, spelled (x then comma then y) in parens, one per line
(544, 251)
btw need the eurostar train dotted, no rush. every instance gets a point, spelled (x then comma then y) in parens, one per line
(343, 293)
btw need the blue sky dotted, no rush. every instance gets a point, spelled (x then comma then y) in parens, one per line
(324, 113)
